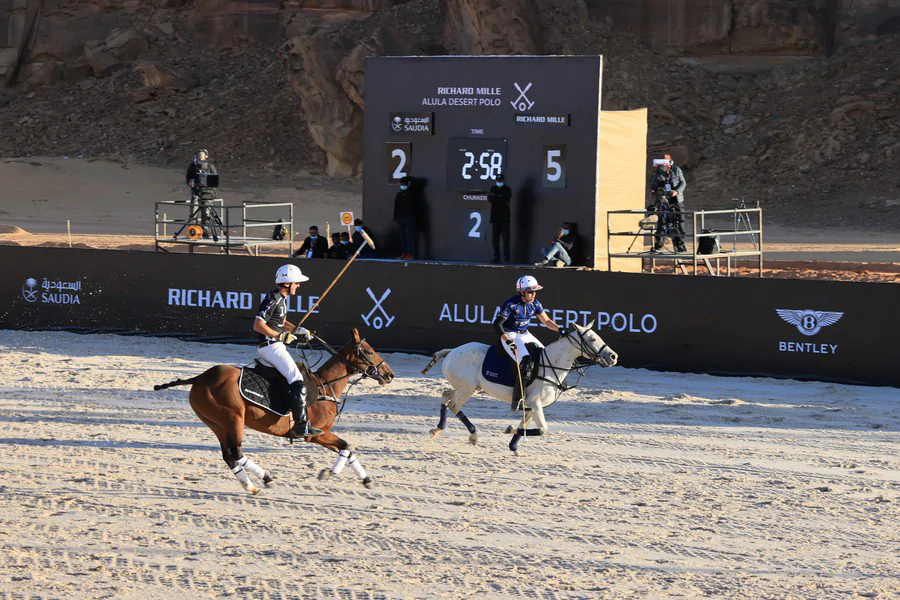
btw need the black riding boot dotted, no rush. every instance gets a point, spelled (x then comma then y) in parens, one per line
(302, 428)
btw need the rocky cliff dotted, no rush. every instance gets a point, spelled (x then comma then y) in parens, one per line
(788, 101)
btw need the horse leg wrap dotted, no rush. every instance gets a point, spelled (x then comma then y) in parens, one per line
(529, 432)
(442, 423)
(465, 421)
(241, 474)
(357, 468)
(514, 442)
(341, 462)
(252, 468)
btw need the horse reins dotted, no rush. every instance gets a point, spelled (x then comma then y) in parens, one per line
(585, 351)
(354, 370)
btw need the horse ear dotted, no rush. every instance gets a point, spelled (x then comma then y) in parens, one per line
(356, 337)
(590, 325)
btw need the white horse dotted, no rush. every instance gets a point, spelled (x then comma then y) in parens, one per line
(462, 368)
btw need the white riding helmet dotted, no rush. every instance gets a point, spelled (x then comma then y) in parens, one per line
(528, 283)
(290, 274)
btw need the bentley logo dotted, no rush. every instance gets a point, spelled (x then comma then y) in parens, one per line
(30, 290)
(809, 322)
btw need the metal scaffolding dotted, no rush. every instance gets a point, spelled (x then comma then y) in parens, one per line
(742, 225)
(228, 228)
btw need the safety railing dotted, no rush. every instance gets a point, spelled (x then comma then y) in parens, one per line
(741, 227)
(228, 228)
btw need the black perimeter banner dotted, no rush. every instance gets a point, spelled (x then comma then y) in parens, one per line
(836, 331)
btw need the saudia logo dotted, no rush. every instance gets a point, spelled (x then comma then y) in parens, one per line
(54, 292)
(809, 323)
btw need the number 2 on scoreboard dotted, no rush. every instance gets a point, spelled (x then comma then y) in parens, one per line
(475, 232)
(399, 160)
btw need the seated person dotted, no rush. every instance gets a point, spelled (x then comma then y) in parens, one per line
(313, 246)
(359, 240)
(342, 249)
(560, 247)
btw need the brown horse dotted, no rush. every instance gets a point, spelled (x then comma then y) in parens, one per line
(217, 400)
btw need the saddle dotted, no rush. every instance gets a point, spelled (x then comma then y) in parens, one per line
(265, 387)
(498, 367)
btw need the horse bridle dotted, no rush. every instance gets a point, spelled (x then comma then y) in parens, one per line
(372, 370)
(587, 351)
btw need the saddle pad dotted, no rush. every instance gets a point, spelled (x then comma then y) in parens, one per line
(497, 366)
(265, 387)
(264, 392)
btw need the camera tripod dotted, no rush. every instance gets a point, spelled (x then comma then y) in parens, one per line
(206, 213)
(743, 220)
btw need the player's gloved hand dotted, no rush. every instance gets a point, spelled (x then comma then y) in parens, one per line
(563, 331)
(303, 333)
(287, 338)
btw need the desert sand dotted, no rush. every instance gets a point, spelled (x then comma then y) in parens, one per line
(649, 485)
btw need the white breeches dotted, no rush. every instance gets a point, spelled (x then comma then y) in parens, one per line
(520, 339)
(277, 355)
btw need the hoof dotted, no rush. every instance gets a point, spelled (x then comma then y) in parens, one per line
(325, 474)
(473, 439)
(269, 481)
(368, 482)
(254, 490)
(515, 452)
(434, 432)
(510, 429)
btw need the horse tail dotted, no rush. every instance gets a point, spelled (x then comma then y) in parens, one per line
(177, 382)
(436, 357)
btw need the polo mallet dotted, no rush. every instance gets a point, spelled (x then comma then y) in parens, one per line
(521, 386)
(368, 242)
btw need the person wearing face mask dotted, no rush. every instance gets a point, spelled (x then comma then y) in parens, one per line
(314, 246)
(557, 253)
(499, 196)
(341, 250)
(359, 240)
(406, 204)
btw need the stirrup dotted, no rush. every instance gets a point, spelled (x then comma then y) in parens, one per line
(307, 430)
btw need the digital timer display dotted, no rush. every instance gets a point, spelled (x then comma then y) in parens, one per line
(474, 163)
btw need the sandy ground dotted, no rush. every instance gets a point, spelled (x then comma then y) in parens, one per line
(649, 485)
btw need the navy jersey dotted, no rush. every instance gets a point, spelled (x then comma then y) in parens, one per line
(516, 314)
(273, 310)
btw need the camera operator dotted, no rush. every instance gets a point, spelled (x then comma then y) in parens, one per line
(667, 188)
(201, 196)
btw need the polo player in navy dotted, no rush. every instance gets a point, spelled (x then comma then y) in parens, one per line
(512, 325)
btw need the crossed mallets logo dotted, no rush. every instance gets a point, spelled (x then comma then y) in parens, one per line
(522, 103)
(378, 321)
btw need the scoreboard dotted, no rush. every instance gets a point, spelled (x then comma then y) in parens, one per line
(453, 123)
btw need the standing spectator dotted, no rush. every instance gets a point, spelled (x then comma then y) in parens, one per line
(335, 239)
(668, 185)
(359, 240)
(313, 246)
(560, 247)
(406, 205)
(499, 196)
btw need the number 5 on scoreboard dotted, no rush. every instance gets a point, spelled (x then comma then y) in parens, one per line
(554, 166)
(399, 158)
